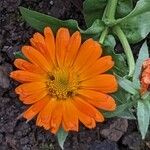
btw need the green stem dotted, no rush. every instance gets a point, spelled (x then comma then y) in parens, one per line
(127, 49)
(109, 13)
(103, 35)
(111, 9)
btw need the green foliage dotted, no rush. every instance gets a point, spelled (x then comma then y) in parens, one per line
(19, 55)
(39, 21)
(93, 9)
(143, 115)
(120, 67)
(61, 136)
(127, 85)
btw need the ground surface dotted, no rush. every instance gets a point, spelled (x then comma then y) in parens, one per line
(114, 134)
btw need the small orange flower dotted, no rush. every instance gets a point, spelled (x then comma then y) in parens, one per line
(64, 80)
(145, 78)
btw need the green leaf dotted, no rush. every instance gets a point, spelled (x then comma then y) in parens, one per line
(120, 111)
(136, 28)
(143, 55)
(127, 85)
(39, 21)
(143, 115)
(141, 7)
(61, 135)
(120, 67)
(124, 7)
(93, 9)
(19, 55)
(94, 31)
(136, 24)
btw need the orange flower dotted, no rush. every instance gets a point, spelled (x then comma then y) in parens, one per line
(64, 81)
(145, 78)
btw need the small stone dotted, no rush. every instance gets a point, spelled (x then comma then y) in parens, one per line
(115, 129)
(133, 141)
(104, 145)
(4, 80)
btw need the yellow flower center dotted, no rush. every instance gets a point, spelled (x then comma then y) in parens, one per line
(62, 84)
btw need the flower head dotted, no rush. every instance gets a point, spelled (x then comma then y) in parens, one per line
(64, 81)
(145, 77)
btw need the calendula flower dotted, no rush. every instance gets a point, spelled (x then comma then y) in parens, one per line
(64, 81)
(145, 77)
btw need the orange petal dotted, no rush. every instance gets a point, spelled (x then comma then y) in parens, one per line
(38, 42)
(101, 65)
(25, 76)
(36, 58)
(56, 117)
(50, 44)
(35, 108)
(62, 41)
(105, 83)
(88, 109)
(89, 52)
(88, 121)
(31, 92)
(72, 48)
(97, 99)
(44, 116)
(70, 118)
(27, 66)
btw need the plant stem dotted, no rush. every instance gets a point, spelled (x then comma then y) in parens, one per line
(127, 49)
(103, 35)
(111, 9)
(109, 14)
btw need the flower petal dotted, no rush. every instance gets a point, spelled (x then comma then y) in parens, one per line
(56, 117)
(89, 52)
(31, 92)
(86, 120)
(35, 108)
(70, 118)
(87, 109)
(105, 83)
(38, 42)
(101, 65)
(97, 99)
(37, 58)
(62, 41)
(44, 116)
(27, 66)
(25, 76)
(50, 44)
(72, 49)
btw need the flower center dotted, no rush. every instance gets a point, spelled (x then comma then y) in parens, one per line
(62, 84)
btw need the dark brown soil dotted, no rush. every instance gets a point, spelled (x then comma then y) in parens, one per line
(114, 134)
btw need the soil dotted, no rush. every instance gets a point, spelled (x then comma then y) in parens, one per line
(16, 134)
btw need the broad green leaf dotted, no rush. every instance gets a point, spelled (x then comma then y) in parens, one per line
(143, 116)
(127, 85)
(94, 31)
(120, 67)
(136, 28)
(19, 55)
(61, 135)
(39, 21)
(141, 7)
(143, 55)
(94, 9)
(124, 7)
